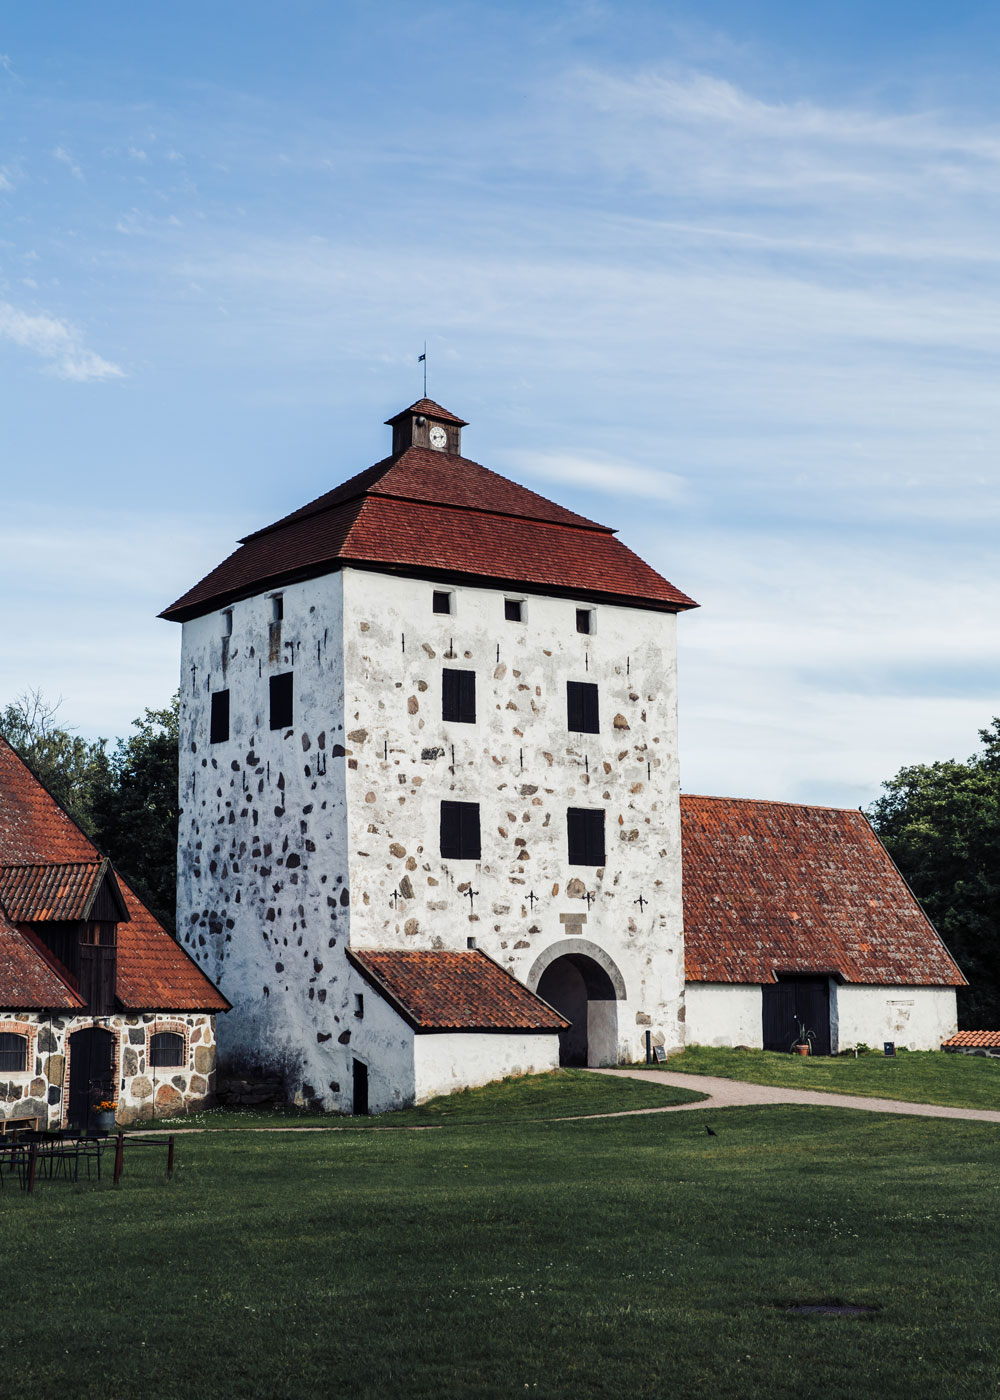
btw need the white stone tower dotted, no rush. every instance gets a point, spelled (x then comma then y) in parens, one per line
(430, 712)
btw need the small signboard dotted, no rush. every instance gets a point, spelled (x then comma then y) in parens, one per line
(660, 1054)
(889, 1047)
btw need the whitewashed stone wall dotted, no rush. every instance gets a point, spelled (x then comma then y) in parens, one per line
(444, 1063)
(142, 1092)
(724, 1013)
(294, 843)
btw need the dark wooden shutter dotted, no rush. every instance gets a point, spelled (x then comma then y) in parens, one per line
(219, 730)
(582, 708)
(585, 835)
(281, 701)
(460, 837)
(458, 696)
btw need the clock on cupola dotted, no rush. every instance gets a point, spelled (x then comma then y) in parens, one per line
(426, 424)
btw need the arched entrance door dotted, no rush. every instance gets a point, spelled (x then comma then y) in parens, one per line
(586, 990)
(91, 1071)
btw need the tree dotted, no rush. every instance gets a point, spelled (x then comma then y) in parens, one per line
(941, 824)
(135, 813)
(72, 769)
(125, 801)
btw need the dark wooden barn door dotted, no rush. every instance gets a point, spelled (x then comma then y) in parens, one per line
(91, 1067)
(360, 1100)
(795, 999)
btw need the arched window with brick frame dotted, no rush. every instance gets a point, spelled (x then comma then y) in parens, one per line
(167, 1050)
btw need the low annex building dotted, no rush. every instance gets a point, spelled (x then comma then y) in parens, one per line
(97, 1000)
(796, 915)
(429, 746)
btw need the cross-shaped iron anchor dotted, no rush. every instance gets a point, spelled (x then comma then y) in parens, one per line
(394, 897)
(641, 903)
(532, 899)
(589, 898)
(470, 895)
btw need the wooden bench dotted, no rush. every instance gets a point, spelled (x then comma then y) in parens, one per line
(18, 1125)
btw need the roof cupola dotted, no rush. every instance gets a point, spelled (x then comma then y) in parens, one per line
(426, 424)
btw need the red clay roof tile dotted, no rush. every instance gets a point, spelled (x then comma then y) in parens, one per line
(27, 981)
(154, 971)
(434, 512)
(776, 887)
(972, 1040)
(439, 990)
(39, 893)
(429, 409)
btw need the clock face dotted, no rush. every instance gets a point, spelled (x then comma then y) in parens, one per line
(437, 436)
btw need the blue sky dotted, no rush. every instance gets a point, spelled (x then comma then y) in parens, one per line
(724, 276)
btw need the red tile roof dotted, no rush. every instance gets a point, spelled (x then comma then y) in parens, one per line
(432, 512)
(776, 887)
(38, 893)
(429, 409)
(27, 981)
(972, 1040)
(154, 971)
(454, 991)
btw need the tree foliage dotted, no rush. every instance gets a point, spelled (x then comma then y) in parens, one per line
(125, 800)
(941, 824)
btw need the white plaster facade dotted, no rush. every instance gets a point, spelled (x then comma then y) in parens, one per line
(917, 1018)
(297, 843)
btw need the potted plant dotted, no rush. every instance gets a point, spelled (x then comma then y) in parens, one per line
(105, 1111)
(803, 1042)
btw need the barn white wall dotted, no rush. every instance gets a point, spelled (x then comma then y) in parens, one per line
(919, 1018)
(445, 1062)
(724, 1013)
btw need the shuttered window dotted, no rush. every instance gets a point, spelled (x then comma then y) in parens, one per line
(13, 1053)
(460, 831)
(585, 835)
(219, 728)
(281, 701)
(458, 696)
(166, 1048)
(581, 707)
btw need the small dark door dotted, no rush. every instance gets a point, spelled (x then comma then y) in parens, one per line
(795, 999)
(91, 1066)
(360, 1100)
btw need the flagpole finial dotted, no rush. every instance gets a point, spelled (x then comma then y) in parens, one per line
(422, 359)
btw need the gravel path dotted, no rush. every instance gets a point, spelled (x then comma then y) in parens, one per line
(736, 1093)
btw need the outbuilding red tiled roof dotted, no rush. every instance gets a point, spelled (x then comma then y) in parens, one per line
(439, 990)
(154, 971)
(436, 513)
(972, 1040)
(429, 409)
(40, 893)
(776, 887)
(27, 981)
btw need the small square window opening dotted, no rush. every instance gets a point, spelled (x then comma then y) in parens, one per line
(219, 723)
(585, 621)
(359, 1006)
(513, 610)
(441, 602)
(281, 701)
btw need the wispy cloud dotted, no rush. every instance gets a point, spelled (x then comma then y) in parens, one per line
(606, 475)
(55, 341)
(61, 154)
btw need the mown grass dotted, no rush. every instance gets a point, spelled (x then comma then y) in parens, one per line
(961, 1081)
(564, 1093)
(603, 1258)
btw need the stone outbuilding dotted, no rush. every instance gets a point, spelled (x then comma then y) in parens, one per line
(97, 1001)
(797, 915)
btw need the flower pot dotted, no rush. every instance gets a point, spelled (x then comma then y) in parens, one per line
(801, 1049)
(105, 1120)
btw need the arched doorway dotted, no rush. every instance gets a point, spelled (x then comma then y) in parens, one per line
(583, 984)
(91, 1073)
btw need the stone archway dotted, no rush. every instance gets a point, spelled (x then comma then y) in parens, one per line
(585, 986)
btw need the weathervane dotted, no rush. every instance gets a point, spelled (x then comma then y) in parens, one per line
(422, 360)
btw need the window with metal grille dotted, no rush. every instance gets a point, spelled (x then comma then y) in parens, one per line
(513, 610)
(584, 618)
(281, 700)
(458, 696)
(166, 1049)
(585, 835)
(441, 602)
(13, 1052)
(460, 831)
(219, 727)
(581, 707)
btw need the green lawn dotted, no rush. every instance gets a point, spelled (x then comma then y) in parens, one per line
(633, 1257)
(564, 1093)
(962, 1081)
